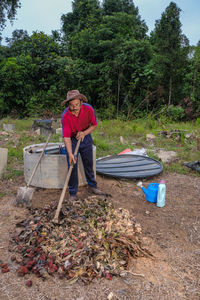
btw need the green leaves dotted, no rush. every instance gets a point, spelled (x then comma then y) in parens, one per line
(170, 48)
(105, 52)
(8, 9)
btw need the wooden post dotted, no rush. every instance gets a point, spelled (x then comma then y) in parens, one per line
(170, 91)
(8, 127)
(3, 159)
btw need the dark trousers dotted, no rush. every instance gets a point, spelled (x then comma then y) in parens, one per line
(86, 153)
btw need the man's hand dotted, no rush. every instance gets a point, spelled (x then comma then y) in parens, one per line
(72, 158)
(80, 135)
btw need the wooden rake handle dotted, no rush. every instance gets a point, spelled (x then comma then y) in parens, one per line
(39, 160)
(55, 220)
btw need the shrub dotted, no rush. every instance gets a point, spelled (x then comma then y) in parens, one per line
(198, 121)
(107, 113)
(176, 113)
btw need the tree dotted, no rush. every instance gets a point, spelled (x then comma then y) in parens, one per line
(8, 10)
(195, 68)
(29, 79)
(171, 49)
(85, 14)
(113, 6)
(106, 49)
(192, 83)
(16, 84)
(112, 53)
(104, 42)
(15, 44)
(18, 35)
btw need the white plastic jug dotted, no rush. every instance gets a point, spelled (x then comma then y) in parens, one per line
(161, 194)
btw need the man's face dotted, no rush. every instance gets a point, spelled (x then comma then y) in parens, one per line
(75, 105)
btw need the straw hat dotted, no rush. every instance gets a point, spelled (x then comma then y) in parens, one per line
(74, 94)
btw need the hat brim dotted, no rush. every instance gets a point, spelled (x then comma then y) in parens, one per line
(78, 96)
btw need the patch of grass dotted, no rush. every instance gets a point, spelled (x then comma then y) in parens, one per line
(102, 147)
(151, 124)
(10, 173)
(55, 138)
(15, 152)
(2, 195)
(23, 125)
(136, 131)
(177, 168)
(20, 125)
(151, 154)
(107, 140)
(24, 139)
(140, 131)
(197, 123)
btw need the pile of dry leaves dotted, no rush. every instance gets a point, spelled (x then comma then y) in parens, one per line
(92, 240)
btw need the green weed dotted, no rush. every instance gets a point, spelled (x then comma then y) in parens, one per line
(198, 122)
(102, 145)
(151, 124)
(2, 195)
(177, 168)
(15, 152)
(107, 140)
(23, 125)
(152, 155)
(10, 173)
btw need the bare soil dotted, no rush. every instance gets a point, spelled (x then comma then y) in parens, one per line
(171, 233)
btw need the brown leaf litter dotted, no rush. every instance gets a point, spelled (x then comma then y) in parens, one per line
(92, 240)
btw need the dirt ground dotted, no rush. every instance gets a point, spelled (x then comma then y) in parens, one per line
(171, 233)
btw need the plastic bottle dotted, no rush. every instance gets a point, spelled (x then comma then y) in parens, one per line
(161, 194)
(140, 184)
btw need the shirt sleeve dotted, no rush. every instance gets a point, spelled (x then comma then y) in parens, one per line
(93, 116)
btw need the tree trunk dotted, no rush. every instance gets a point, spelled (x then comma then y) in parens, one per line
(118, 91)
(170, 91)
(194, 81)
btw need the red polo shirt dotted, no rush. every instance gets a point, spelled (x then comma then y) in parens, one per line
(71, 124)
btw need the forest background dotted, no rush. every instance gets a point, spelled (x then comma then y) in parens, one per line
(103, 50)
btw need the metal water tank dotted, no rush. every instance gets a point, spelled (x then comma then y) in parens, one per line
(52, 170)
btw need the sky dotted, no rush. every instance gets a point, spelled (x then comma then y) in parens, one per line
(45, 15)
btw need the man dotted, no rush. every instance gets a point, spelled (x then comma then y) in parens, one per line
(78, 122)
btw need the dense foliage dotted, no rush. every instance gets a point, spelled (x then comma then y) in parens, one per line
(104, 51)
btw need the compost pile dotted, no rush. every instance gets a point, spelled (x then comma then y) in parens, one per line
(92, 240)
